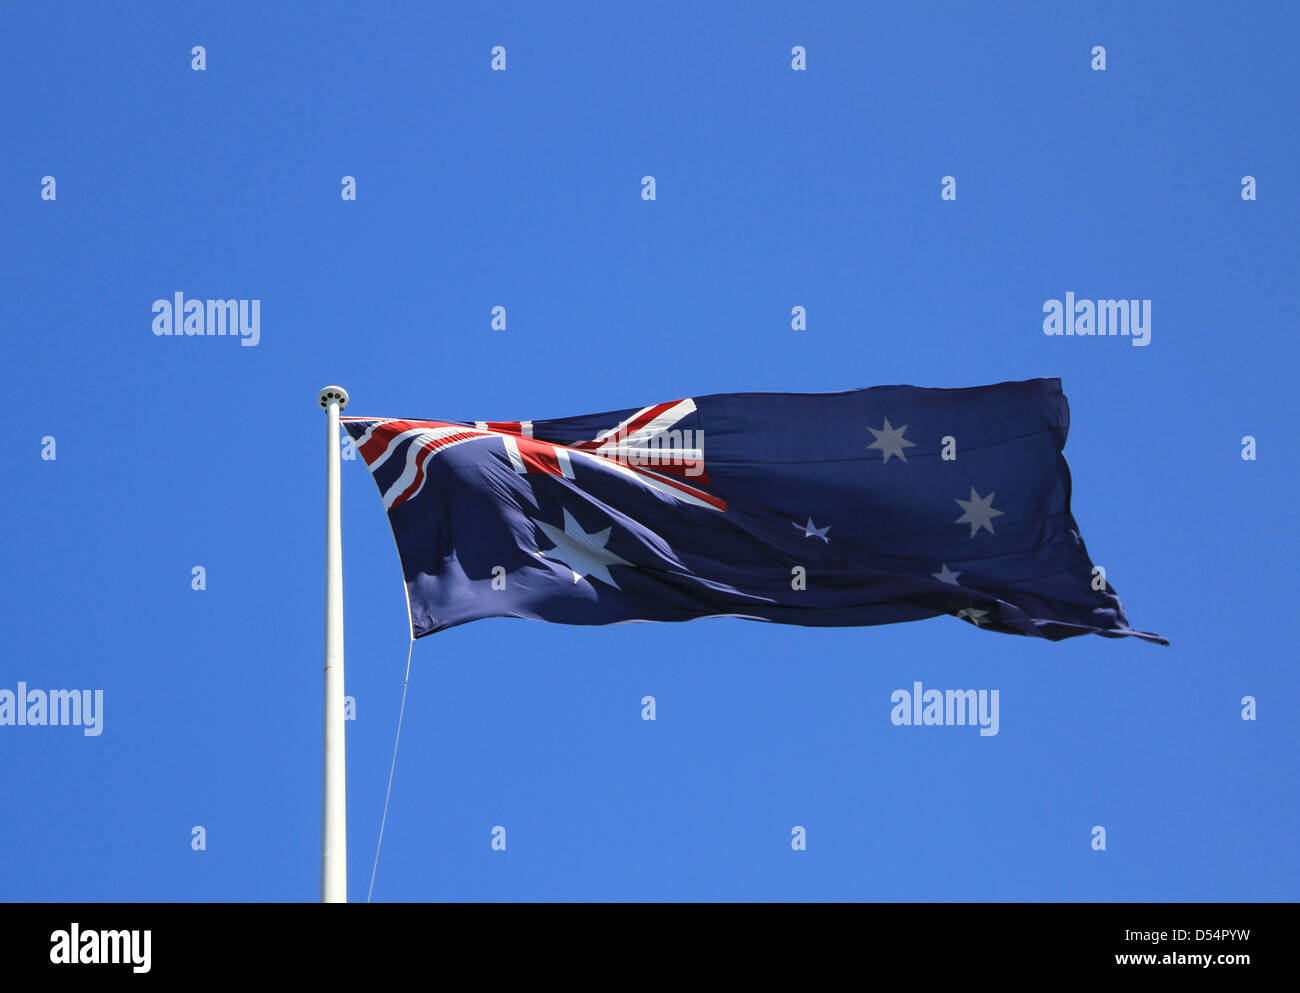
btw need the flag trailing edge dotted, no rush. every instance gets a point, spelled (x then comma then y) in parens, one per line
(867, 506)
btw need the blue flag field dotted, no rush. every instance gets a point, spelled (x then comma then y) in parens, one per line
(869, 506)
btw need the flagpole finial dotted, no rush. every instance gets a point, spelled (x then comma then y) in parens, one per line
(333, 393)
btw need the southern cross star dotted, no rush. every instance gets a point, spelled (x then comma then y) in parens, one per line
(584, 554)
(811, 530)
(979, 512)
(947, 575)
(973, 615)
(890, 440)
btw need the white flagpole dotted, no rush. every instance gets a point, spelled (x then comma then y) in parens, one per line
(334, 784)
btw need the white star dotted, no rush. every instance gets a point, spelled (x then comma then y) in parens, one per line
(976, 617)
(585, 554)
(890, 440)
(947, 575)
(979, 512)
(811, 530)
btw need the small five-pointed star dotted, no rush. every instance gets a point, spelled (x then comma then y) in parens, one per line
(890, 440)
(811, 530)
(973, 615)
(947, 575)
(979, 512)
(585, 554)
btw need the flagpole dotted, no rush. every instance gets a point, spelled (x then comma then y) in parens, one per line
(334, 802)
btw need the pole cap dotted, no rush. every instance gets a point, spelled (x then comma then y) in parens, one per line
(331, 393)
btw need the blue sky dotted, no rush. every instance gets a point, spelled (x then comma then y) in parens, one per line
(522, 188)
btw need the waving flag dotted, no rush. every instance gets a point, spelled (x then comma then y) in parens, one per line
(864, 507)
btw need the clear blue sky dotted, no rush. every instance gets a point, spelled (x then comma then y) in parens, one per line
(521, 188)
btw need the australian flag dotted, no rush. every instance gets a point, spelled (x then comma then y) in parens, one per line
(869, 506)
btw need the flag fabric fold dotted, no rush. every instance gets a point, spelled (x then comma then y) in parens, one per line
(869, 506)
